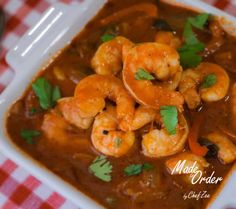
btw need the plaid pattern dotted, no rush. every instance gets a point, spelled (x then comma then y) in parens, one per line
(19, 189)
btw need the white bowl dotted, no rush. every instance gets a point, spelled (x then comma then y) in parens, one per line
(36, 49)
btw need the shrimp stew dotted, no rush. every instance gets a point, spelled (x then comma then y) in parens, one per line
(139, 111)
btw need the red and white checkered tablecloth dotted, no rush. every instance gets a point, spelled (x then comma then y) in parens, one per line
(19, 189)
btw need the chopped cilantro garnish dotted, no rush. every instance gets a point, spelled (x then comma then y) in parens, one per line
(169, 116)
(136, 169)
(199, 21)
(147, 166)
(141, 74)
(107, 37)
(189, 35)
(32, 111)
(133, 169)
(189, 51)
(189, 59)
(56, 94)
(118, 142)
(209, 81)
(192, 47)
(101, 168)
(47, 94)
(28, 135)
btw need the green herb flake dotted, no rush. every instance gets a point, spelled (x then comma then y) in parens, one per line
(133, 169)
(169, 116)
(32, 111)
(56, 94)
(136, 169)
(141, 74)
(199, 21)
(101, 168)
(47, 94)
(147, 166)
(107, 37)
(189, 35)
(189, 56)
(189, 59)
(118, 142)
(209, 81)
(197, 47)
(29, 135)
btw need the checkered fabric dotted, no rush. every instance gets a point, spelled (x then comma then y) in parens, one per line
(19, 189)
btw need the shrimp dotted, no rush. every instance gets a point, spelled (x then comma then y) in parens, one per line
(159, 59)
(72, 114)
(168, 38)
(181, 164)
(56, 128)
(108, 58)
(233, 105)
(92, 91)
(227, 150)
(191, 79)
(188, 87)
(158, 143)
(106, 137)
(62, 135)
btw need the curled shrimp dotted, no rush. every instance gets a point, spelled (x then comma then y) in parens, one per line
(108, 58)
(227, 150)
(168, 38)
(106, 137)
(92, 91)
(192, 78)
(59, 132)
(72, 114)
(161, 60)
(55, 127)
(158, 143)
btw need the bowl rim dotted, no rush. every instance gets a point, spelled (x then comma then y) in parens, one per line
(15, 60)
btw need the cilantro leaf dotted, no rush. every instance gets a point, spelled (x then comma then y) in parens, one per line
(46, 93)
(209, 81)
(197, 47)
(107, 37)
(189, 35)
(133, 169)
(136, 169)
(189, 59)
(28, 135)
(147, 166)
(101, 168)
(169, 116)
(56, 94)
(118, 142)
(141, 74)
(188, 52)
(199, 21)
(32, 111)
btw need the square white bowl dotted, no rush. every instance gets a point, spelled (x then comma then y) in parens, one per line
(36, 49)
